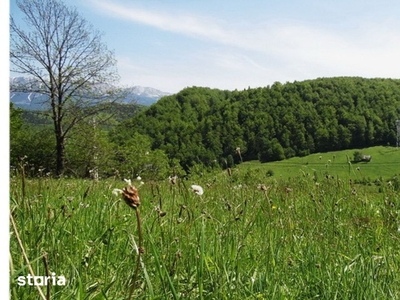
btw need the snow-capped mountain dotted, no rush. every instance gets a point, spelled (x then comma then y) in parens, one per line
(35, 101)
(147, 95)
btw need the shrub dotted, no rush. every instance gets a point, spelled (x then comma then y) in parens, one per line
(357, 156)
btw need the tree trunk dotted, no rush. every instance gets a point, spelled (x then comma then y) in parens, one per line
(60, 152)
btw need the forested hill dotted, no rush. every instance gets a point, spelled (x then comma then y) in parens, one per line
(274, 122)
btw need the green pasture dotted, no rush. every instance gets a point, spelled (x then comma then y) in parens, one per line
(249, 236)
(385, 163)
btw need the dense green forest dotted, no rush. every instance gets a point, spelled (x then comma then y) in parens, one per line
(201, 125)
(220, 128)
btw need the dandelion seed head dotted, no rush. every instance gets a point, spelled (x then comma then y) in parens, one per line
(197, 189)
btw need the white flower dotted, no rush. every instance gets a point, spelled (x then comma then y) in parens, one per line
(138, 178)
(128, 181)
(173, 179)
(117, 192)
(197, 189)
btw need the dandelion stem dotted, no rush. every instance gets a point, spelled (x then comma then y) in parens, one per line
(46, 267)
(139, 252)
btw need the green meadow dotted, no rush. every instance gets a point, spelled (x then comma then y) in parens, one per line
(315, 227)
(385, 163)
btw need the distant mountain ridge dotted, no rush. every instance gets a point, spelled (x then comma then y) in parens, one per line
(147, 95)
(34, 101)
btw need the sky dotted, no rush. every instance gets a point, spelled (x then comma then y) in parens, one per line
(236, 44)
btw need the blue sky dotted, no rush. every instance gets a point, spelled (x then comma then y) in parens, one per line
(236, 44)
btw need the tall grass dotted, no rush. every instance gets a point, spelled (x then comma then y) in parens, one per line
(298, 238)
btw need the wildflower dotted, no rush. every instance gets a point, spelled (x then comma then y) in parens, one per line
(130, 195)
(262, 187)
(138, 178)
(288, 190)
(173, 179)
(197, 189)
(117, 192)
(160, 212)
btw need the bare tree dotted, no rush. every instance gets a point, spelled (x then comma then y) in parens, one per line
(66, 61)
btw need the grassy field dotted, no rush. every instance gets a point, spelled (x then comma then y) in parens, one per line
(385, 164)
(298, 234)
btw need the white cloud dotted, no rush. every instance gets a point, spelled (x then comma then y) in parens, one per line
(180, 23)
(251, 52)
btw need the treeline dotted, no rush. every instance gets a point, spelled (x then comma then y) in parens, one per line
(92, 148)
(203, 125)
(215, 128)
